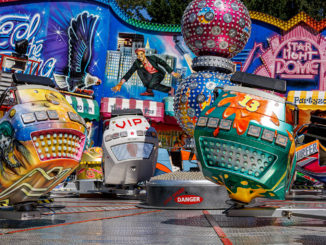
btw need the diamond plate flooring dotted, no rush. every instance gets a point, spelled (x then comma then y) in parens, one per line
(106, 221)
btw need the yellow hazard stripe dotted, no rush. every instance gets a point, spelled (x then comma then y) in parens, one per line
(45, 201)
(4, 203)
(90, 162)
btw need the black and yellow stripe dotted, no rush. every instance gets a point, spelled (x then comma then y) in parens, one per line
(45, 201)
(4, 203)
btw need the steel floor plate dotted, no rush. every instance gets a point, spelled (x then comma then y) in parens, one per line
(106, 221)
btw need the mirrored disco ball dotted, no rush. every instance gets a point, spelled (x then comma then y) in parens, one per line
(195, 93)
(216, 27)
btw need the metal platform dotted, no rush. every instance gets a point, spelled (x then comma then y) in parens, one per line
(111, 221)
(184, 190)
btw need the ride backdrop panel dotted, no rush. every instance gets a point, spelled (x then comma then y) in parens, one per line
(169, 50)
(291, 50)
(49, 29)
(27, 21)
(76, 39)
(108, 49)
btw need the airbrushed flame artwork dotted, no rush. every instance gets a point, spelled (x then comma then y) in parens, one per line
(41, 140)
(245, 143)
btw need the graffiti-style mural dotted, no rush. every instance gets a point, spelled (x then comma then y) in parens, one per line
(83, 44)
(63, 37)
(292, 51)
(298, 57)
(100, 60)
(80, 42)
(129, 76)
(26, 24)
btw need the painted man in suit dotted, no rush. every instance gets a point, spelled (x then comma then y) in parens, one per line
(150, 72)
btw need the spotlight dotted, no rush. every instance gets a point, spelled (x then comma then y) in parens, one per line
(21, 49)
(18, 59)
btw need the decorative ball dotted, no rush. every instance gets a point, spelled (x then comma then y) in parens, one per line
(195, 93)
(216, 27)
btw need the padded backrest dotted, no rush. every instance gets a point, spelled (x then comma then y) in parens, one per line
(256, 81)
(20, 79)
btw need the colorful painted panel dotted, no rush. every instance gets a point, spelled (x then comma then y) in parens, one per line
(310, 160)
(168, 60)
(244, 143)
(105, 50)
(42, 140)
(90, 166)
(287, 50)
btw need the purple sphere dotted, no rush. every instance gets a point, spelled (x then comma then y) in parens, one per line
(216, 27)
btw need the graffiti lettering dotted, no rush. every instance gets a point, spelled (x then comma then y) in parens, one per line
(14, 28)
(7, 24)
(48, 67)
(35, 48)
(170, 198)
